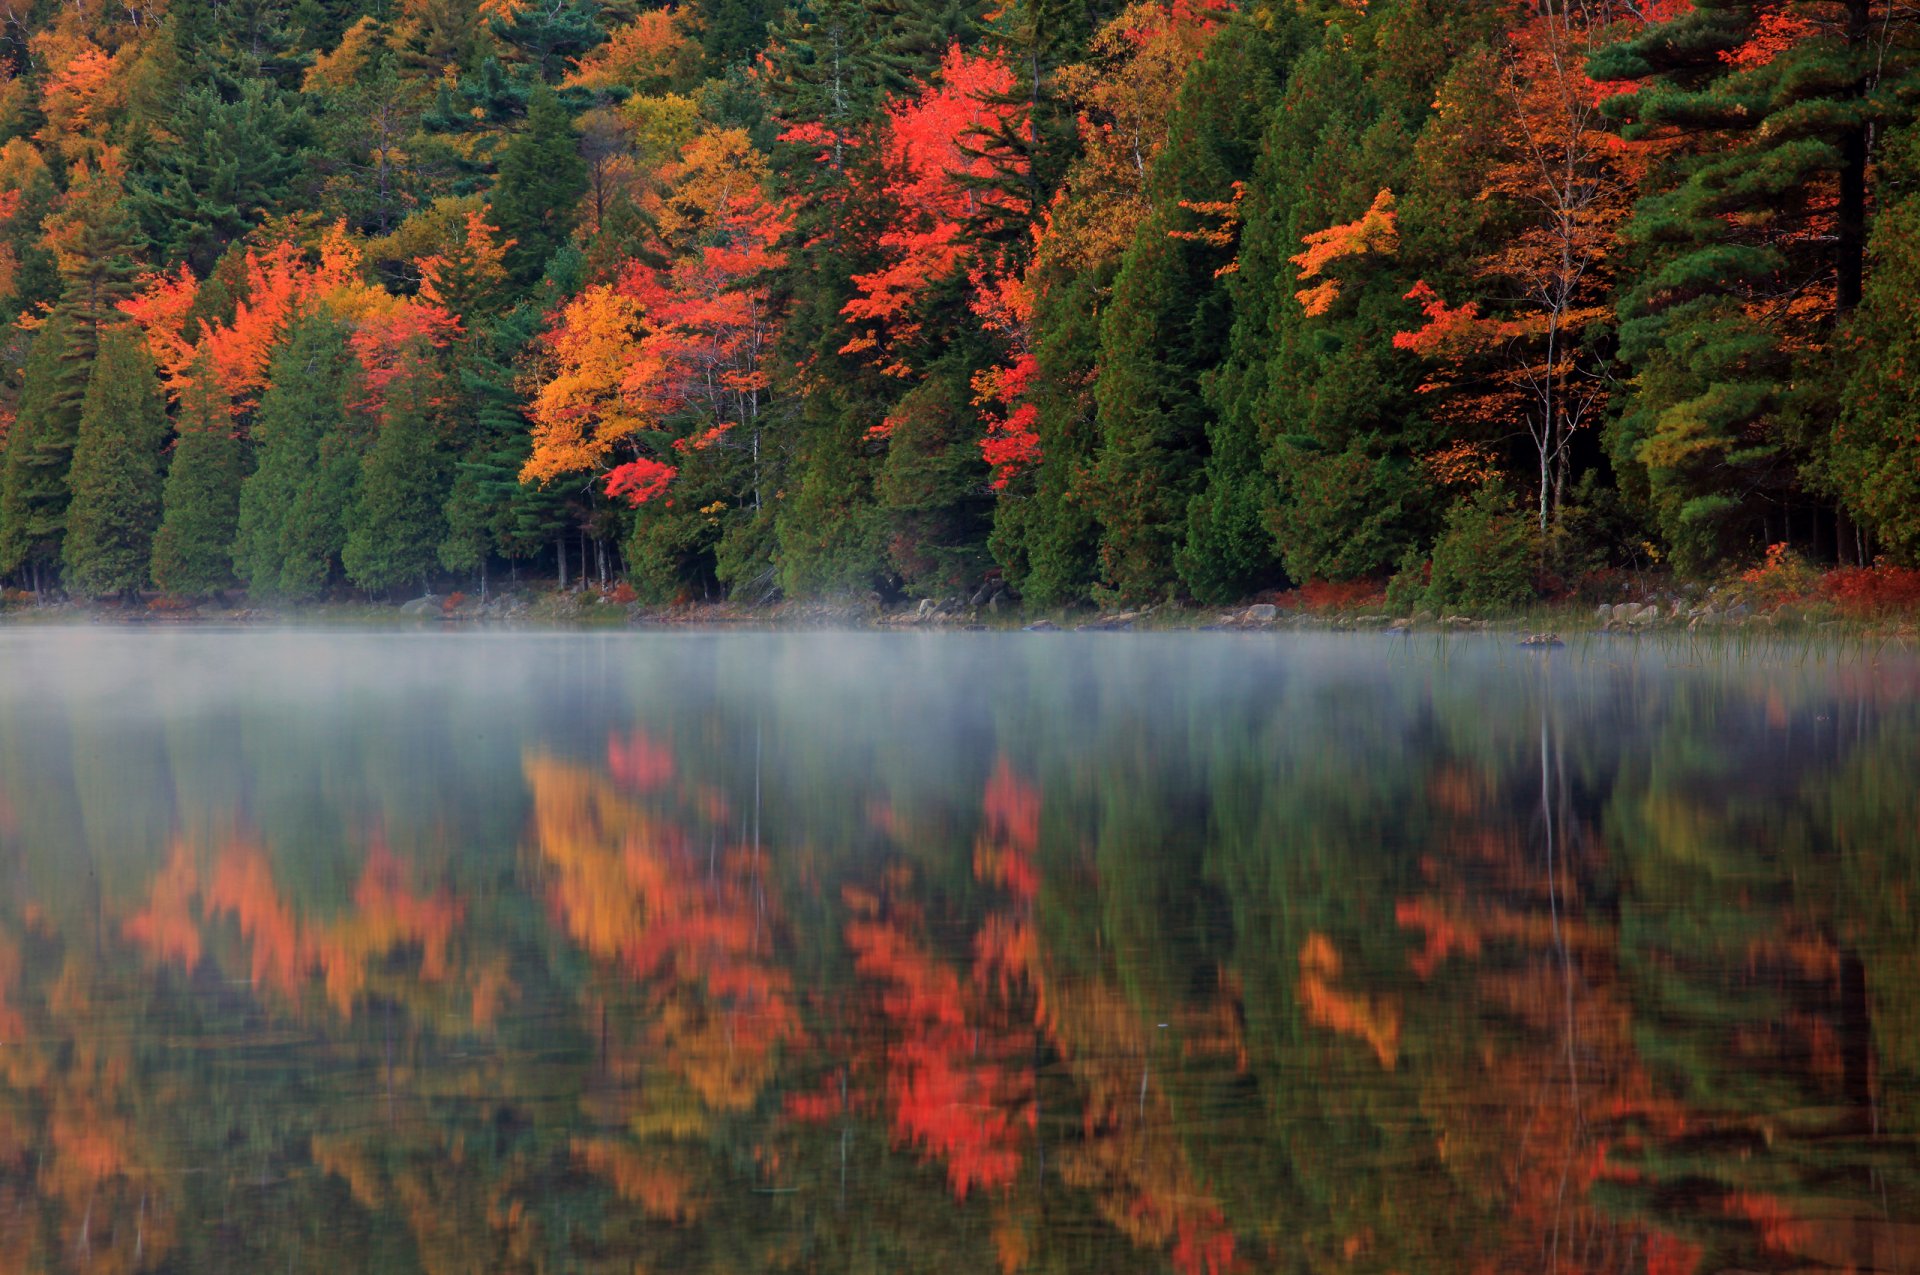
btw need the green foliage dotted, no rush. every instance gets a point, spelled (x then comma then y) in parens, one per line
(200, 507)
(1485, 556)
(33, 483)
(1871, 460)
(397, 524)
(115, 476)
(933, 488)
(541, 179)
(295, 503)
(1166, 326)
(235, 164)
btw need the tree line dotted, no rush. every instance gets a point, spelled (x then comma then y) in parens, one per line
(1093, 301)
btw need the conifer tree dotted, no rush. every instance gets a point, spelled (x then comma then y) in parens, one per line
(293, 506)
(1167, 323)
(115, 477)
(397, 524)
(200, 507)
(542, 177)
(1769, 110)
(33, 484)
(234, 164)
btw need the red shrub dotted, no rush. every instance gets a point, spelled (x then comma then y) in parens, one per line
(622, 595)
(1332, 595)
(1872, 590)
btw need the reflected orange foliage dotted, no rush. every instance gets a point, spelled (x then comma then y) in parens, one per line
(386, 918)
(1375, 1020)
(661, 1191)
(627, 887)
(166, 927)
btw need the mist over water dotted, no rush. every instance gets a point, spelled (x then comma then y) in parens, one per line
(328, 951)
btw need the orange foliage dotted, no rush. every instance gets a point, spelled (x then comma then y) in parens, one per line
(165, 927)
(12, 1025)
(935, 152)
(639, 762)
(1875, 590)
(386, 918)
(1375, 1020)
(630, 891)
(661, 1192)
(968, 1110)
(1374, 232)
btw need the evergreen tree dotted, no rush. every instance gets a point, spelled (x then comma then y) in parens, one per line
(488, 511)
(115, 477)
(293, 506)
(1769, 111)
(33, 485)
(234, 164)
(542, 177)
(1167, 323)
(200, 508)
(397, 524)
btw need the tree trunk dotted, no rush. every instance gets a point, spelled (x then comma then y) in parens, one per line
(560, 552)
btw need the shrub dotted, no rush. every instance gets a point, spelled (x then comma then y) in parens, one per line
(1784, 577)
(1485, 555)
(1875, 590)
(1408, 588)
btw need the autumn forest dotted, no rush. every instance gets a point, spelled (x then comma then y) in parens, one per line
(1090, 302)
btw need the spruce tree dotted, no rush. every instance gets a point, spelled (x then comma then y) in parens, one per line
(200, 507)
(293, 506)
(116, 470)
(542, 177)
(397, 524)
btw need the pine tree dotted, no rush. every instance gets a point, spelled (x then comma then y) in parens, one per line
(488, 511)
(293, 506)
(234, 164)
(397, 523)
(200, 508)
(1769, 110)
(542, 177)
(115, 477)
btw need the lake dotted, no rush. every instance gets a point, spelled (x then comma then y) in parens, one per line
(751, 952)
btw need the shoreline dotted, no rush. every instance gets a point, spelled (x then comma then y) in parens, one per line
(1544, 625)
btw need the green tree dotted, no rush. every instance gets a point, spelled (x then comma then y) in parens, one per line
(293, 507)
(33, 485)
(200, 507)
(115, 477)
(398, 524)
(234, 164)
(1167, 323)
(542, 177)
(1768, 113)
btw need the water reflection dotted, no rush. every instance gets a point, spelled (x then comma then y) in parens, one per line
(759, 953)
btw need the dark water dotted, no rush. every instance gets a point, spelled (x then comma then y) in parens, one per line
(1049, 953)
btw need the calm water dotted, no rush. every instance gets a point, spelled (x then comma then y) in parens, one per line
(1049, 953)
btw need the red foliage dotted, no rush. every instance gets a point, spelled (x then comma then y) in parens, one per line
(639, 481)
(1872, 590)
(639, 761)
(1332, 595)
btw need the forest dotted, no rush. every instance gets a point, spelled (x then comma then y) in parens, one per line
(1086, 301)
